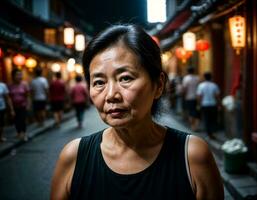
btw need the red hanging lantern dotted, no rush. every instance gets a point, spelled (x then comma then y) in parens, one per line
(156, 39)
(19, 60)
(202, 45)
(182, 54)
(1, 53)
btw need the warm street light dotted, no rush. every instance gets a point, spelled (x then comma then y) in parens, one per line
(237, 30)
(19, 60)
(156, 11)
(80, 42)
(71, 65)
(55, 67)
(189, 40)
(202, 45)
(78, 68)
(31, 63)
(68, 36)
(182, 54)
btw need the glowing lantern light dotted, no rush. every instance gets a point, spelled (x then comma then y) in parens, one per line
(79, 68)
(237, 30)
(166, 57)
(202, 45)
(71, 65)
(189, 40)
(1, 53)
(68, 36)
(19, 60)
(182, 54)
(80, 42)
(55, 67)
(156, 40)
(31, 63)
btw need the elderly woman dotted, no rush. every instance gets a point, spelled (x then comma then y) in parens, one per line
(135, 158)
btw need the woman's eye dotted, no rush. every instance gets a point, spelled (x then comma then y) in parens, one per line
(98, 83)
(126, 79)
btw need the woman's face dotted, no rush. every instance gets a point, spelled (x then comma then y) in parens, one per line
(120, 88)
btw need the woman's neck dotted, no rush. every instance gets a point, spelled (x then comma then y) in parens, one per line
(137, 137)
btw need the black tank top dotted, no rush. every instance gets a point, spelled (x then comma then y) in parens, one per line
(166, 178)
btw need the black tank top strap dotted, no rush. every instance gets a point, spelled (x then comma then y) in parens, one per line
(87, 149)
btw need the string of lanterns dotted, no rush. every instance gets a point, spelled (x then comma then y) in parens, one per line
(70, 39)
(183, 54)
(237, 29)
(19, 60)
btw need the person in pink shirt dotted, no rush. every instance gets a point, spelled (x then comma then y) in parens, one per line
(79, 97)
(57, 91)
(19, 93)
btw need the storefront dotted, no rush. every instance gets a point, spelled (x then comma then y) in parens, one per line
(234, 69)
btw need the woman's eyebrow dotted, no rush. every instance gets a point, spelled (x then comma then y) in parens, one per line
(98, 75)
(125, 69)
(117, 71)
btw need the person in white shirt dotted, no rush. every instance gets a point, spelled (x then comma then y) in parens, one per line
(208, 94)
(39, 89)
(4, 98)
(190, 83)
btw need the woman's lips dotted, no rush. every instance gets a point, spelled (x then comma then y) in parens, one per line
(116, 113)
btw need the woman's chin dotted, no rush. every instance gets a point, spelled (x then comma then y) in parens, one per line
(118, 123)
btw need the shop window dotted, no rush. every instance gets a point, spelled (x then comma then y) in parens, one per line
(50, 36)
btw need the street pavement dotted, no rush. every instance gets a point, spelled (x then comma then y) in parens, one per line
(26, 171)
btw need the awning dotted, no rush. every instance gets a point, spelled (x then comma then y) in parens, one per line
(13, 37)
(176, 23)
(184, 20)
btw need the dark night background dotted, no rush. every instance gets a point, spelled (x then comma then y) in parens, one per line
(100, 14)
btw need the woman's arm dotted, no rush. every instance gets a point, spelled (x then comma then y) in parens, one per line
(61, 182)
(205, 175)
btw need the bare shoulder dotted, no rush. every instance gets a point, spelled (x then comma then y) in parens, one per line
(205, 175)
(69, 152)
(61, 181)
(198, 150)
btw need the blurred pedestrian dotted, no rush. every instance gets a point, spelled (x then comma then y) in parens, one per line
(57, 93)
(4, 99)
(172, 90)
(134, 157)
(19, 93)
(39, 92)
(209, 96)
(179, 95)
(79, 97)
(190, 83)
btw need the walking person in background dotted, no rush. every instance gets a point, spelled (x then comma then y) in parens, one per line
(189, 83)
(19, 93)
(135, 157)
(79, 97)
(4, 99)
(179, 95)
(57, 92)
(209, 96)
(39, 92)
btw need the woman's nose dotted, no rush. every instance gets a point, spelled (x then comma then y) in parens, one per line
(113, 93)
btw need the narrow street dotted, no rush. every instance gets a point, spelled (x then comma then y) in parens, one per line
(56, 56)
(26, 172)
